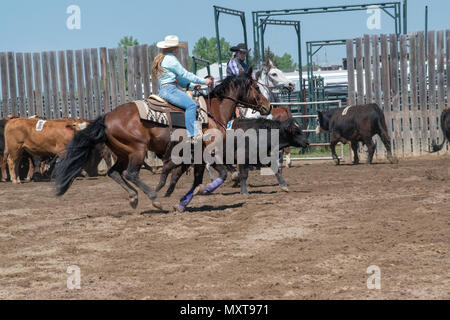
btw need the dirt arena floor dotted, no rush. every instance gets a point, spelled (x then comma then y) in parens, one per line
(315, 242)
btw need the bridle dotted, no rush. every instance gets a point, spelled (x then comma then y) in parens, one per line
(268, 87)
(238, 103)
(266, 84)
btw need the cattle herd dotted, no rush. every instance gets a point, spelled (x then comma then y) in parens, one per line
(37, 144)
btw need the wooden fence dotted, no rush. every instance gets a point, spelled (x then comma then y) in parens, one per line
(76, 83)
(407, 77)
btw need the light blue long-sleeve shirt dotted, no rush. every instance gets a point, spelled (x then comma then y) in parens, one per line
(174, 71)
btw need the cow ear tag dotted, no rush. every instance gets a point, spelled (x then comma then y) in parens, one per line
(40, 125)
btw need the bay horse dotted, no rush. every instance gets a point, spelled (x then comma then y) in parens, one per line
(129, 138)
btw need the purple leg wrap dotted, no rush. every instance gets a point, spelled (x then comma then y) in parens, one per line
(212, 186)
(186, 199)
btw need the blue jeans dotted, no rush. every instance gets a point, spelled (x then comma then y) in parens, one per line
(178, 98)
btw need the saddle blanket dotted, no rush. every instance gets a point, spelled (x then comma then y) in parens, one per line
(177, 118)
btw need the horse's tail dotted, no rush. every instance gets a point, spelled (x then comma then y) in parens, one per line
(77, 154)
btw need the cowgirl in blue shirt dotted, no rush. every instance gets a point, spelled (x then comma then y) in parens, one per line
(170, 73)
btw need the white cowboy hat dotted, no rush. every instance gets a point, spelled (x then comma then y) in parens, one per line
(170, 42)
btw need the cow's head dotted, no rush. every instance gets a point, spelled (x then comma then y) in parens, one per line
(323, 125)
(294, 134)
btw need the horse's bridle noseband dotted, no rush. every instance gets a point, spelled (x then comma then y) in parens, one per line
(258, 107)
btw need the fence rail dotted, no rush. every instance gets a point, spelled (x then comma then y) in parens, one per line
(76, 83)
(408, 79)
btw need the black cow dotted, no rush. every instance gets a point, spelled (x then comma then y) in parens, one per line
(290, 134)
(355, 124)
(445, 126)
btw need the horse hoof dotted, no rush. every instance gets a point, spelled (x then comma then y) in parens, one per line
(285, 189)
(134, 201)
(157, 204)
(178, 208)
(393, 160)
(199, 190)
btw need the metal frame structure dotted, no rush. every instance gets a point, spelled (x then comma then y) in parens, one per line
(387, 7)
(196, 61)
(296, 25)
(217, 11)
(310, 54)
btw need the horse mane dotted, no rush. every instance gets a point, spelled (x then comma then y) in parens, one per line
(240, 82)
(258, 74)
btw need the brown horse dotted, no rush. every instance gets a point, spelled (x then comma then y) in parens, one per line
(129, 138)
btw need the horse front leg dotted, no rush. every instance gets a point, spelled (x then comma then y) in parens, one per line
(168, 166)
(199, 170)
(211, 187)
(176, 175)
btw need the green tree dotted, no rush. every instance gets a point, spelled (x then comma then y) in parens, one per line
(207, 49)
(284, 62)
(126, 42)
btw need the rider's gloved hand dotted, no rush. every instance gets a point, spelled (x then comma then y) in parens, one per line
(210, 81)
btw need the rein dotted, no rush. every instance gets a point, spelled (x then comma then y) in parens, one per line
(246, 104)
(237, 102)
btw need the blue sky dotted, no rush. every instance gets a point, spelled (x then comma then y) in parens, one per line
(38, 25)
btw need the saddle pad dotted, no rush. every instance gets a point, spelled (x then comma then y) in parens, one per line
(177, 118)
(157, 98)
(40, 125)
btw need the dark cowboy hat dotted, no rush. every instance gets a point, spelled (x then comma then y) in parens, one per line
(240, 47)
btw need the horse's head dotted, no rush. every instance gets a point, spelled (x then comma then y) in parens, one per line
(256, 97)
(244, 90)
(274, 78)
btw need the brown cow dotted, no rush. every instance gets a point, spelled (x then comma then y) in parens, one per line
(41, 138)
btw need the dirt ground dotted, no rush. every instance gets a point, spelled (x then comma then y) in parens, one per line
(315, 242)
